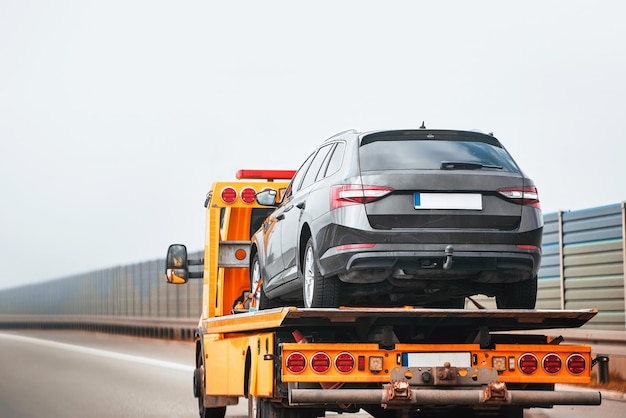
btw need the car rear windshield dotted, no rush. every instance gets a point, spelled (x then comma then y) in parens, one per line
(433, 154)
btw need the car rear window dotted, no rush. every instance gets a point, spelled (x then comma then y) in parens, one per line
(429, 154)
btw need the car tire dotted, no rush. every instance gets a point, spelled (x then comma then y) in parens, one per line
(317, 291)
(518, 295)
(262, 301)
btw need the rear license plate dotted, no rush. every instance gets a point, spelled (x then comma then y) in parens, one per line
(469, 201)
(456, 359)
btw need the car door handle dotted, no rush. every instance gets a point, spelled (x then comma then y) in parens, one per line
(280, 217)
(288, 208)
(301, 205)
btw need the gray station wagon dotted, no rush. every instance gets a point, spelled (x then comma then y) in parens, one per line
(416, 217)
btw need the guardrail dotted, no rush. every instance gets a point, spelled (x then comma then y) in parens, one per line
(164, 328)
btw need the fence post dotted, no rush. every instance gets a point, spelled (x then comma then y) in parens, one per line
(624, 252)
(561, 259)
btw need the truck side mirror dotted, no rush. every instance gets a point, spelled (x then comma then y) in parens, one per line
(176, 264)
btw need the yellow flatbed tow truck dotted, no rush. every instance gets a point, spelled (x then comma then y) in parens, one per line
(294, 362)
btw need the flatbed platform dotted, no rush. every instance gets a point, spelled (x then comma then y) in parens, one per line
(450, 320)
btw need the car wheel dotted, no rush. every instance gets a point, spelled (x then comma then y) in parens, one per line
(318, 292)
(518, 295)
(261, 299)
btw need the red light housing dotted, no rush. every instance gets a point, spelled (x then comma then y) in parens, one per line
(228, 195)
(528, 363)
(576, 363)
(296, 362)
(361, 363)
(344, 362)
(526, 196)
(265, 174)
(552, 363)
(248, 194)
(528, 247)
(354, 194)
(354, 247)
(320, 362)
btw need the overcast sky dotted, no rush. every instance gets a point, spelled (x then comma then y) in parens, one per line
(116, 116)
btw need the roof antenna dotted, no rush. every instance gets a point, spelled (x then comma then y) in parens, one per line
(423, 126)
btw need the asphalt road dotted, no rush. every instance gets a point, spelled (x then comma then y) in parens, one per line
(69, 374)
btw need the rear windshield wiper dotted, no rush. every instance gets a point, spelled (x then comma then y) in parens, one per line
(466, 165)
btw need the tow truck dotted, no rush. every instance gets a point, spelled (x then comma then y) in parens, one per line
(391, 362)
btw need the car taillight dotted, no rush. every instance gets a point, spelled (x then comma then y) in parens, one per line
(526, 196)
(353, 194)
(528, 363)
(552, 363)
(248, 194)
(228, 194)
(296, 362)
(576, 363)
(344, 362)
(320, 362)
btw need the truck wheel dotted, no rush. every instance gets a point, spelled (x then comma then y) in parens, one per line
(512, 412)
(263, 408)
(318, 292)
(518, 295)
(200, 390)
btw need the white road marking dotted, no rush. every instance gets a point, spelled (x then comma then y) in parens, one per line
(101, 353)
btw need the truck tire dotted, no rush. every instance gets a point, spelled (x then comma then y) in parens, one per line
(264, 408)
(518, 295)
(199, 389)
(318, 292)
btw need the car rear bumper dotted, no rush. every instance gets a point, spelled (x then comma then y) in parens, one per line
(489, 264)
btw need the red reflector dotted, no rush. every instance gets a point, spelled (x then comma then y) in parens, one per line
(528, 247)
(229, 195)
(361, 362)
(265, 174)
(247, 194)
(320, 362)
(528, 363)
(576, 363)
(552, 363)
(296, 362)
(353, 246)
(344, 362)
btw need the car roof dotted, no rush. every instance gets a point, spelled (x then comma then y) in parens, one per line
(418, 133)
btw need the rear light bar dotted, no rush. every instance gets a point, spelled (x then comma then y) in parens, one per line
(508, 364)
(354, 194)
(527, 196)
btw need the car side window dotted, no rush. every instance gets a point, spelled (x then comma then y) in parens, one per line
(294, 185)
(315, 166)
(335, 161)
